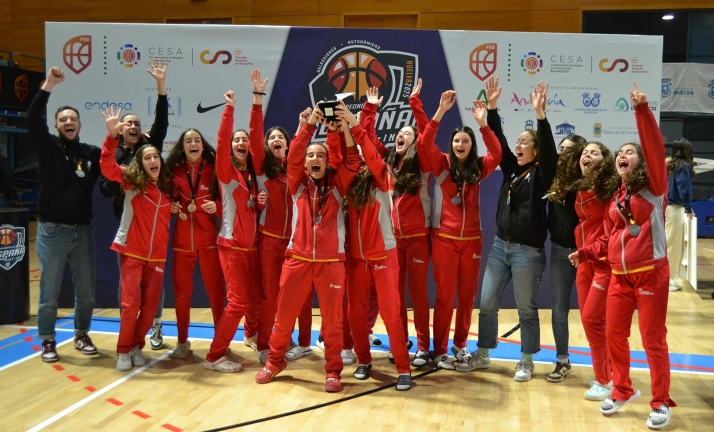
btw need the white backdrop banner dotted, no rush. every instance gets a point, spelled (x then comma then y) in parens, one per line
(590, 75)
(688, 87)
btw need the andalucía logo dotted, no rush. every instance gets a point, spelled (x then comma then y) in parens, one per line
(12, 246)
(666, 87)
(77, 53)
(483, 60)
(129, 55)
(531, 63)
(347, 74)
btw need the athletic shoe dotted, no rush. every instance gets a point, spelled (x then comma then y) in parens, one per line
(263, 356)
(560, 372)
(49, 351)
(296, 352)
(461, 354)
(124, 361)
(410, 344)
(348, 357)
(84, 343)
(444, 362)
(362, 372)
(598, 392)
(182, 350)
(659, 417)
(404, 382)
(157, 337)
(321, 343)
(420, 358)
(674, 286)
(475, 362)
(374, 340)
(252, 342)
(333, 385)
(524, 371)
(390, 357)
(137, 357)
(611, 406)
(223, 365)
(266, 374)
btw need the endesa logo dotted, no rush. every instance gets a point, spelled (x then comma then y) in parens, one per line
(12, 246)
(531, 63)
(103, 106)
(224, 56)
(622, 63)
(482, 61)
(77, 53)
(21, 87)
(128, 55)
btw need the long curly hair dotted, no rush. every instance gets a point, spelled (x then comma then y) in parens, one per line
(178, 156)
(271, 167)
(137, 176)
(601, 177)
(470, 170)
(407, 176)
(638, 177)
(681, 154)
(567, 172)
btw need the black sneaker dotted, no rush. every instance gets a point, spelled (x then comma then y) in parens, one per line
(84, 343)
(362, 372)
(420, 359)
(49, 351)
(404, 382)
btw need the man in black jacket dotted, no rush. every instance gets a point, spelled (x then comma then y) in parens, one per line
(7, 187)
(68, 171)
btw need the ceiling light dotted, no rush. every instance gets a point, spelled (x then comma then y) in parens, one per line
(667, 17)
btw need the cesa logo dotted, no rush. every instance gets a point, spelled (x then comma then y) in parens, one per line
(223, 54)
(12, 246)
(624, 65)
(21, 87)
(128, 55)
(77, 53)
(482, 61)
(164, 51)
(531, 63)
(103, 106)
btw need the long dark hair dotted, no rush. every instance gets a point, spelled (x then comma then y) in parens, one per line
(407, 176)
(359, 195)
(470, 170)
(178, 156)
(681, 154)
(568, 170)
(637, 178)
(248, 160)
(271, 167)
(137, 176)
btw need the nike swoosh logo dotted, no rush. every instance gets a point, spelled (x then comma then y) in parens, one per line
(202, 110)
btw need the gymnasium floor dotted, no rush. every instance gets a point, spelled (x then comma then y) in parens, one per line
(88, 393)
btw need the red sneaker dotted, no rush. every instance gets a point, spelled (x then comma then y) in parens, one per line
(333, 385)
(266, 375)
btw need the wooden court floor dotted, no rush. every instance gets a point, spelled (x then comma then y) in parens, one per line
(88, 393)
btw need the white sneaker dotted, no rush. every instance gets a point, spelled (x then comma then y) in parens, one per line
(124, 361)
(252, 342)
(182, 350)
(223, 365)
(321, 343)
(524, 371)
(157, 337)
(598, 392)
(475, 362)
(611, 406)
(263, 356)
(137, 357)
(444, 362)
(659, 417)
(348, 357)
(674, 286)
(461, 354)
(374, 340)
(296, 352)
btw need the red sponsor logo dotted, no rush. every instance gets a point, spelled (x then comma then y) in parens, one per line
(77, 53)
(482, 61)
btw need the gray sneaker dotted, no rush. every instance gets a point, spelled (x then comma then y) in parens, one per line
(124, 361)
(475, 362)
(182, 350)
(137, 357)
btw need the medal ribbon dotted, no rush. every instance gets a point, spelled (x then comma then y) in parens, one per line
(510, 186)
(626, 210)
(194, 190)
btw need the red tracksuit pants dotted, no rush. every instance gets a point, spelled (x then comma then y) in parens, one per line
(372, 314)
(212, 274)
(140, 295)
(592, 282)
(413, 253)
(648, 291)
(384, 275)
(241, 270)
(457, 264)
(305, 322)
(296, 281)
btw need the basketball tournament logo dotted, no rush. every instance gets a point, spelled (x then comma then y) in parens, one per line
(347, 73)
(531, 63)
(482, 61)
(77, 53)
(128, 55)
(12, 246)
(21, 87)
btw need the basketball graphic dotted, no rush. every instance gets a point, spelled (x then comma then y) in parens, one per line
(7, 237)
(21, 87)
(531, 63)
(77, 53)
(128, 55)
(355, 72)
(483, 60)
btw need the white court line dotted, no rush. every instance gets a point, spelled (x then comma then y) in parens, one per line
(98, 393)
(707, 249)
(17, 362)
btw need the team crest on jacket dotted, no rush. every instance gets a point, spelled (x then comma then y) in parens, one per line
(12, 246)
(346, 74)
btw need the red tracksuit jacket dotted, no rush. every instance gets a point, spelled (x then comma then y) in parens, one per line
(239, 227)
(591, 212)
(312, 241)
(647, 251)
(144, 228)
(199, 229)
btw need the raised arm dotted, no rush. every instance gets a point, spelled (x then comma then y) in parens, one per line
(418, 108)
(257, 132)
(493, 92)
(225, 136)
(547, 152)
(298, 147)
(36, 124)
(437, 160)
(351, 162)
(374, 161)
(368, 119)
(490, 161)
(107, 161)
(652, 143)
(161, 118)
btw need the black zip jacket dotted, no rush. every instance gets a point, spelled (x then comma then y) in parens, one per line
(562, 221)
(125, 154)
(63, 197)
(524, 220)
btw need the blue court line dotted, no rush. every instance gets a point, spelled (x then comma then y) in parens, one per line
(505, 350)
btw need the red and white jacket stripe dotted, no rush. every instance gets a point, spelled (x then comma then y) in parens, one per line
(144, 228)
(647, 251)
(591, 212)
(457, 221)
(312, 241)
(199, 229)
(239, 227)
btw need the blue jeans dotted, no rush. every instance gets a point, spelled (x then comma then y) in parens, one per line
(525, 265)
(56, 245)
(159, 311)
(562, 281)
